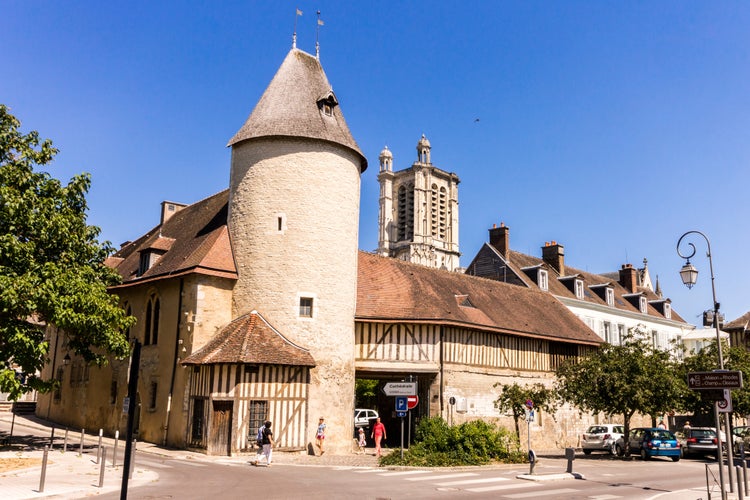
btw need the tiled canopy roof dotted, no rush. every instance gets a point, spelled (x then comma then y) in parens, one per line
(249, 339)
(195, 239)
(290, 107)
(392, 290)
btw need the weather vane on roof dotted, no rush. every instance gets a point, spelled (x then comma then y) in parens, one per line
(317, 35)
(294, 36)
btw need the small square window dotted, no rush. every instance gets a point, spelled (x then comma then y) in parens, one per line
(306, 307)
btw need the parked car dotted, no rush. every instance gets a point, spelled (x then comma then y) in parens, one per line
(654, 442)
(601, 437)
(698, 441)
(741, 435)
(363, 416)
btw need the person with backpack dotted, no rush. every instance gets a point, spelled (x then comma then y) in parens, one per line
(264, 440)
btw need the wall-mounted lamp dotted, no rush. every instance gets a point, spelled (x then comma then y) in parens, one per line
(66, 359)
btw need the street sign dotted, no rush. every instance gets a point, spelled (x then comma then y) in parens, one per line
(412, 401)
(715, 380)
(401, 404)
(400, 389)
(125, 404)
(712, 394)
(725, 404)
(401, 414)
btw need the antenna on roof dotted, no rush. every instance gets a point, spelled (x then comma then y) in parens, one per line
(294, 36)
(317, 36)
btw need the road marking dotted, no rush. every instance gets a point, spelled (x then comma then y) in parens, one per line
(604, 497)
(537, 493)
(367, 471)
(405, 473)
(443, 476)
(511, 486)
(474, 481)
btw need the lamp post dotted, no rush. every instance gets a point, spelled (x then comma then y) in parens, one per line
(689, 275)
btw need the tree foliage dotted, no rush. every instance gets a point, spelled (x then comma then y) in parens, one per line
(735, 359)
(52, 268)
(512, 399)
(623, 379)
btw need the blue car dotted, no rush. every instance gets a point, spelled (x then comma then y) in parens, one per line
(654, 442)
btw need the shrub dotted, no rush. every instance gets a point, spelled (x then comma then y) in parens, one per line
(471, 443)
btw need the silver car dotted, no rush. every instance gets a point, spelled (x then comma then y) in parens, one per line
(602, 437)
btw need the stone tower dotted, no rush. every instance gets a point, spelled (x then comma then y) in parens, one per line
(293, 221)
(418, 220)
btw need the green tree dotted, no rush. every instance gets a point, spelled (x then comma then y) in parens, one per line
(513, 397)
(52, 268)
(735, 359)
(623, 379)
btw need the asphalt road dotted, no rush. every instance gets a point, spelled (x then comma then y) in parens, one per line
(605, 478)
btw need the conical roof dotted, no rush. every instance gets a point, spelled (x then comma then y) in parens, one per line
(299, 102)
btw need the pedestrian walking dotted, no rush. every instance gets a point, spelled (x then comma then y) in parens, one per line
(267, 441)
(378, 433)
(361, 441)
(320, 435)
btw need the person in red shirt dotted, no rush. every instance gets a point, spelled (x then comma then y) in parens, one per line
(378, 433)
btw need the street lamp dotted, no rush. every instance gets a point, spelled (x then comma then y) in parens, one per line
(689, 276)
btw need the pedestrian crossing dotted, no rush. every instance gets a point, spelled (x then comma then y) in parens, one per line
(501, 485)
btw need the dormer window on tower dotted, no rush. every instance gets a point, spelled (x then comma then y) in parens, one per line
(327, 102)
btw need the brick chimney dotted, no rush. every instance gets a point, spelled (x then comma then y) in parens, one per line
(554, 255)
(628, 277)
(500, 239)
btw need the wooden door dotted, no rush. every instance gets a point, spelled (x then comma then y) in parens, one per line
(220, 435)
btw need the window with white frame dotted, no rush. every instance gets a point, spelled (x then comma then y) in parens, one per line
(543, 280)
(620, 333)
(667, 310)
(610, 295)
(579, 289)
(643, 305)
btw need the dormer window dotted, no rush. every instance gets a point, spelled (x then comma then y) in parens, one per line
(643, 305)
(667, 310)
(610, 294)
(149, 257)
(327, 103)
(605, 292)
(543, 280)
(579, 289)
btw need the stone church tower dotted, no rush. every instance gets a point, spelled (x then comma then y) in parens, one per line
(418, 219)
(293, 222)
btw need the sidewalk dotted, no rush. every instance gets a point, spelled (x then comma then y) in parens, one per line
(72, 474)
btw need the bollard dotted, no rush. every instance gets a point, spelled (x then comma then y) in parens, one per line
(65, 441)
(114, 453)
(80, 449)
(99, 448)
(52, 438)
(44, 470)
(101, 471)
(132, 461)
(532, 461)
(740, 489)
(570, 455)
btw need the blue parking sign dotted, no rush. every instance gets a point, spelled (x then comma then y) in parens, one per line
(401, 403)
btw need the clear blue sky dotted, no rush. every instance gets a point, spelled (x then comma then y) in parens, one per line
(611, 127)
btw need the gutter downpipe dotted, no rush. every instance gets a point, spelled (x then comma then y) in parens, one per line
(174, 361)
(442, 381)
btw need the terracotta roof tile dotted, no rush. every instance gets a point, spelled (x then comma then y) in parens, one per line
(195, 239)
(392, 290)
(249, 339)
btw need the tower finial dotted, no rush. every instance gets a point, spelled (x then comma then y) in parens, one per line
(317, 36)
(294, 36)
